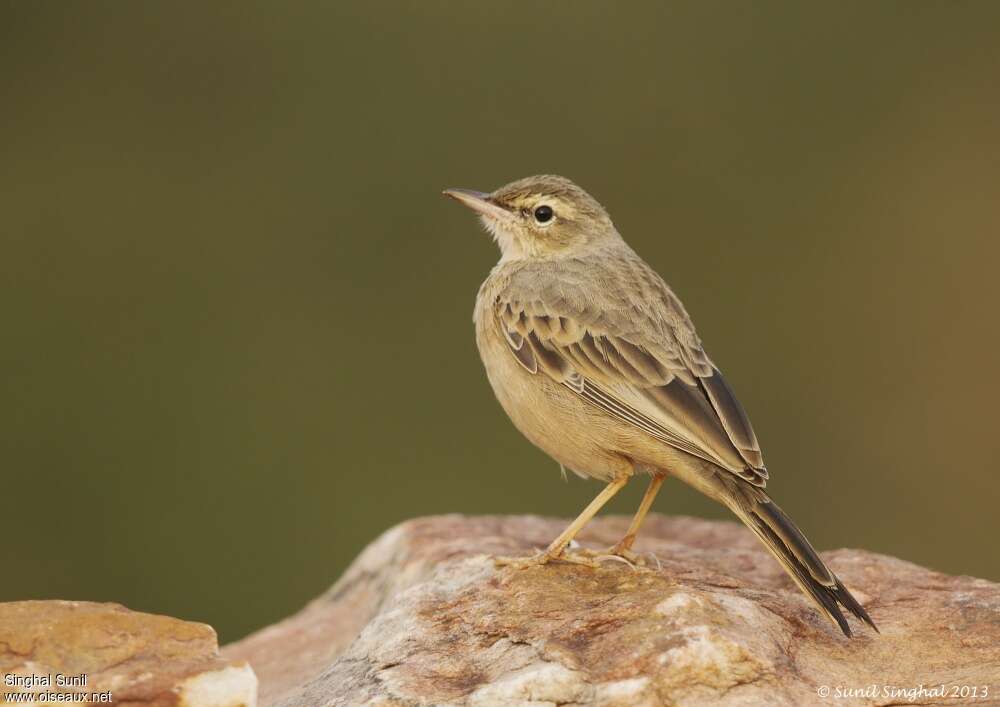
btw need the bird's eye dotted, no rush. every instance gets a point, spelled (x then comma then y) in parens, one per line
(543, 214)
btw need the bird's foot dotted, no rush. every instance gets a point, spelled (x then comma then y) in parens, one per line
(521, 563)
(624, 555)
(582, 557)
(627, 555)
(597, 557)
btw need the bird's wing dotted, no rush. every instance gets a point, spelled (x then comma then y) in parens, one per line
(628, 346)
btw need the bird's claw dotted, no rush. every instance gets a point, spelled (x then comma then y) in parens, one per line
(545, 557)
(578, 556)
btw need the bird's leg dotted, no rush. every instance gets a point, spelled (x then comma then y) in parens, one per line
(623, 548)
(557, 548)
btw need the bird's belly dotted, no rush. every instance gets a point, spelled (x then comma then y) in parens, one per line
(551, 416)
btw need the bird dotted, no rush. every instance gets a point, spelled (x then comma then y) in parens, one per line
(597, 362)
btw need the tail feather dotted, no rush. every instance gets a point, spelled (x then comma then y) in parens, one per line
(791, 548)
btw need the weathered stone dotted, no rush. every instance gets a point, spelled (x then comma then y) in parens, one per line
(424, 617)
(114, 655)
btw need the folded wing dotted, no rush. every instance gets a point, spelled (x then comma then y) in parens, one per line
(641, 363)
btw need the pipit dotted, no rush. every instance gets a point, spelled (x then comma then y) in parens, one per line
(596, 362)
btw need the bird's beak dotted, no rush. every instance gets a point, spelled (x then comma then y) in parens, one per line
(479, 202)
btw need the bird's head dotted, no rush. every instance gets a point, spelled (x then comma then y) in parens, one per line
(541, 217)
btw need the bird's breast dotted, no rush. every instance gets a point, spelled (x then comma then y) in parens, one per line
(551, 416)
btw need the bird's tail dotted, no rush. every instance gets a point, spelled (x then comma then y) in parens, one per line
(789, 546)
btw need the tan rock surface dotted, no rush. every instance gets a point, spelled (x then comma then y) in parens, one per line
(125, 657)
(423, 617)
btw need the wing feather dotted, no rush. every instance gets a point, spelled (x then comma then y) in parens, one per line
(644, 366)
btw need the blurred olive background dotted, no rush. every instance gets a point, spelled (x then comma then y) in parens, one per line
(237, 339)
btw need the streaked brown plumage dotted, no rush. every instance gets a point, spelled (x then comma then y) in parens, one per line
(597, 362)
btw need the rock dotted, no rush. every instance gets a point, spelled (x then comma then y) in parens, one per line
(424, 617)
(114, 655)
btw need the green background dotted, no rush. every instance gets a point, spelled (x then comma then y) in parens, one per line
(236, 311)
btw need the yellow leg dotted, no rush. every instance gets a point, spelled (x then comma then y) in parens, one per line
(625, 544)
(559, 544)
(557, 547)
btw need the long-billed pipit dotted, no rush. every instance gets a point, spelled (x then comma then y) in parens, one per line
(596, 362)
